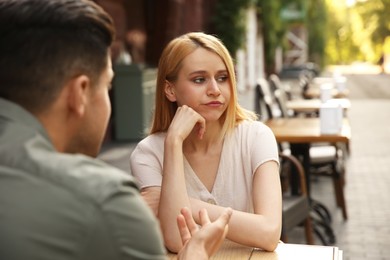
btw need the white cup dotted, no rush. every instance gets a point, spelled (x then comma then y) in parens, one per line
(340, 83)
(326, 92)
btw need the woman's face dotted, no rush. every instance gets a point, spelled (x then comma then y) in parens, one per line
(202, 84)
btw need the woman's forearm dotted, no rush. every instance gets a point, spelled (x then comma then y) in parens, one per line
(173, 194)
(245, 228)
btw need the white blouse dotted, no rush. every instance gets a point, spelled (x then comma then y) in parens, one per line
(250, 144)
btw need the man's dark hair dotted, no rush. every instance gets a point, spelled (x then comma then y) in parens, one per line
(44, 43)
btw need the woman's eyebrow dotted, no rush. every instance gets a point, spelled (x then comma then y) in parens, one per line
(198, 72)
(205, 72)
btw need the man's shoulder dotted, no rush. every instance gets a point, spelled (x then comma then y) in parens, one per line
(82, 205)
(92, 178)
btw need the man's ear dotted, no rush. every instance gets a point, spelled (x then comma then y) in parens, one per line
(78, 89)
(169, 91)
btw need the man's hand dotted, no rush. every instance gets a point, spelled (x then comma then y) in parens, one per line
(201, 243)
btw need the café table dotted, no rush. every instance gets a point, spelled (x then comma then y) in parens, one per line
(313, 89)
(300, 133)
(315, 92)
(231, 250)
(306, 130)
(314, 105)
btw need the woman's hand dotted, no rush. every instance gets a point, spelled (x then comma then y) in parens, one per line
(202, 243)
(185, 121)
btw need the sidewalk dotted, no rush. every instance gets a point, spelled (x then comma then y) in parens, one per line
(366, 234)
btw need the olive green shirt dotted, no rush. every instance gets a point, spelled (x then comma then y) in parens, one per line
(65, 206)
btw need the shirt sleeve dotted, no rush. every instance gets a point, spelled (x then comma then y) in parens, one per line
(146, 162)
(264, 147)
(135, 233)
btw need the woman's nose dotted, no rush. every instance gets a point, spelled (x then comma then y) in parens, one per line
(213, 88)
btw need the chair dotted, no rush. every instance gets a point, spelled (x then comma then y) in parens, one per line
(275, 84)
(320, 215)
(305, 79)
(296, 208)
(325, 159)
(264, 103)
(329, 160)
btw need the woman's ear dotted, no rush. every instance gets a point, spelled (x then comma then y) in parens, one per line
(170, 91)
(79, 88)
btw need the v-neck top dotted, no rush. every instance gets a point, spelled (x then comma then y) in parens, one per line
(246, 148)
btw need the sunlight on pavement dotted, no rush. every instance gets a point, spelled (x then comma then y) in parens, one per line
(357, 68)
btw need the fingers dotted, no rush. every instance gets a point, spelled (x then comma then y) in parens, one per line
(224, 218)
(186, 120)
(202, 129)
(221, 221)
(204, 217)
(215, 231)
(209, 237)
(183, 229)
(190, 222)
(186, 224)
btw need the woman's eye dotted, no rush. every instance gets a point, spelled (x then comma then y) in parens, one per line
(199, 80)
(222, 78)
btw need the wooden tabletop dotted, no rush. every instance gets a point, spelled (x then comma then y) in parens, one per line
(306, 130)
(313, 105)
(231, 250)
(315, 92)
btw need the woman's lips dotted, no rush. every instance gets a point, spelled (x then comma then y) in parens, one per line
(214, 104)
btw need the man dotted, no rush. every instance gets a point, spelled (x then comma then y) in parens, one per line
(56, 201)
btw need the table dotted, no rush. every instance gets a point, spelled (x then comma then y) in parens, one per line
(313, 105)
(315, 92)
(306, 130)
(231, 250)
(300, 132)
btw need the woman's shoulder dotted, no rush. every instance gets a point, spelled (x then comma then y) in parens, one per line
(252, 126)
(153, 139)
(153, 143)
(252, 131)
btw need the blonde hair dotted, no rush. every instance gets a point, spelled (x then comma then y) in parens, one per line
(169, 67)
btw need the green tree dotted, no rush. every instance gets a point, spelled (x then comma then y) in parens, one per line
(316, 19)
(229, 22)
(343, 34)
(272, 28)
(376, 19)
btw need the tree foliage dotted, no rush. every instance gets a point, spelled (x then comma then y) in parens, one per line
(376, 20)
(316, 27)
(357, 32)
(229, 22)
(272, 27)
(376, 17)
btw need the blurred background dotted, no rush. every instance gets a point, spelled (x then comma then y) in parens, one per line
(313, 40)
(264, 37)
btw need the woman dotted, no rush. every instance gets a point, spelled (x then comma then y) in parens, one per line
(205, 151)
